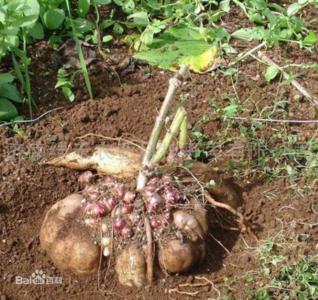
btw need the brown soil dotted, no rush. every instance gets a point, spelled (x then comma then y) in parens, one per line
(28, 188)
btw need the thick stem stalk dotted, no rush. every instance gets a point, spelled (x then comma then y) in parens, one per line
(155, 134)
(170, 135)
(183, 134)
(173, 85)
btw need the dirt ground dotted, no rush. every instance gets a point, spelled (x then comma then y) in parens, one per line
(273, 209)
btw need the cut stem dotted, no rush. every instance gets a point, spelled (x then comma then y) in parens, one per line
(170, 135)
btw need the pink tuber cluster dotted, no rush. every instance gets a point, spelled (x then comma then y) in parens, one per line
(108, 196)
(160, 198)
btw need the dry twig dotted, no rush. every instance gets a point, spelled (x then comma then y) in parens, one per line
(274, 120)
(247, 53)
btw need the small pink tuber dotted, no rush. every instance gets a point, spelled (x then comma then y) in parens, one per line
(92, 192)
(118, 190)
(129, 197)
(155, 223)
(127, 232)
(97, 209)
(127, 208)
(111, 203)
(119, 223)
(134, 218)
(85, 178)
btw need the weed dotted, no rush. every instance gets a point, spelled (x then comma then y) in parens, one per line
(65, 83)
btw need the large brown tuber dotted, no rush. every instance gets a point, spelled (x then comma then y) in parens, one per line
(188, 223)
(68, 242)
(131, 266)
(176, 256)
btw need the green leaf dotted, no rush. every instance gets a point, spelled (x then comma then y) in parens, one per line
(271, 72)
(225, 5)
(139, 18)
(82, 25)
(231, 110)
(83, 7)
(36, 31)
(249, 34)
(53, 18)
(107, 38)
(177, 45)
(102, 2)
(293, 9)
(30, 10)
(10, 92)
(68, 93)
(7, 110)
(311, 38)
(6, 78)
(127, 6)
(106, 24)
(118, 29)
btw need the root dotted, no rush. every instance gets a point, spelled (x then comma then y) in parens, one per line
(127, 141)
(221, 245)
(149, 255)
(206, 282)
(228, 208)
(209, 198)
(183, 292)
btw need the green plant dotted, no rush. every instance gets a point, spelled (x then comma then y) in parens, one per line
(65, 83)
(291, 281)
(80, 52)
(275, 23)
(17, 20)
(8, 94)
(298, 281)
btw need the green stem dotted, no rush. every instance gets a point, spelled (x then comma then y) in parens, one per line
(170, 135)
(183, 133)
(98, 33)
(80, 53)
(27, 76)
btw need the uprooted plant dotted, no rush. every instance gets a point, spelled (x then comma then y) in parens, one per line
(160, 215)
